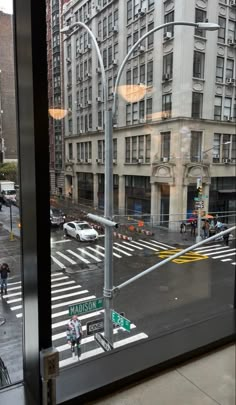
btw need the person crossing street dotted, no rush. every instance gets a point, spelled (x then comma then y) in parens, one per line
(4, 270)
(74, 334)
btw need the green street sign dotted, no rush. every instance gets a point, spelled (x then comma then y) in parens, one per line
(86, 306)
(120, 320)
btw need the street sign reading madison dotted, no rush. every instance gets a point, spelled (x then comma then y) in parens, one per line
(120, 320)
(86, 306)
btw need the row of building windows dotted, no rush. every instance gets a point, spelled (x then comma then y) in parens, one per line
(140, 74)
(135, 8)
(138, 149)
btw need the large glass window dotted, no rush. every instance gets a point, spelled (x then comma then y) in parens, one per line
(168, 66)
(217, 108)
(221, 32)
(200, 16)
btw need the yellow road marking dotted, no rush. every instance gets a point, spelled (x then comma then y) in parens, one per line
(185, 258)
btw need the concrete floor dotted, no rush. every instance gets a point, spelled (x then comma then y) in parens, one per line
(209, 380)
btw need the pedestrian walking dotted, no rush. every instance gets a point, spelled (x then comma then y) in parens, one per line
(182, 227)
(193, 227)
(206, 227)
(4, 271)
(74, 334)
(226, 237)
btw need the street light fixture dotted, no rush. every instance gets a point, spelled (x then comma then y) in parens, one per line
(109, 115)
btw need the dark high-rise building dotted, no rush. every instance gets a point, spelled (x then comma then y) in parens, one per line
(8, 142)
(55, 96)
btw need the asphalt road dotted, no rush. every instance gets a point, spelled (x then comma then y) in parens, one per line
(173, 296)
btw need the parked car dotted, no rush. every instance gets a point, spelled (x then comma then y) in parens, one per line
(57, 217)
(82, 231)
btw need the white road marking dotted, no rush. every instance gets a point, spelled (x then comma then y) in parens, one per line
(60, 297)
(146, 247)
(163, 246)
(124, 247)
(130, 244)
(61, 304)
(12, 301)
(212, 249)
(86, 339)
(226, 260)
(57, 279)
(60, 273)
(208, 247)
(13, 288)
(74, 287)
(65, 283)
(97, 351)
(13, 295)
(61, 265)
(60, 241)
(122, 251)
(82, 317)
(234, 263)
(78, 256)
(89, 254)
(114, 254)
(95, 250)
(149, 243)
(16, 282)
(225, 255)
(66, 258)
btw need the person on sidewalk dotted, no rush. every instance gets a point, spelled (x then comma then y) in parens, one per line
(226, 236)
(4, 270)
(74, 334)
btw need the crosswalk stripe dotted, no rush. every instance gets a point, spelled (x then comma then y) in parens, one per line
(13, 288)
(225, 255)
(15, 308)
(130, 244)
(58, 279)
(212, 249)
(66, 257)
(234, 263)
(89, 254)
(69, 295)
(12, 301)
(224, 252)
(163, 246)
(63, 304)
(14, 294)
(208, 247)
(65, 283)
(96, 251)
(124, 247)
(99, 350)
(114, 254)
(226, 260)
(13, 283)
(82, 317)
(59, 273)
(73, 287)
(61, 265)
(146, 247)
(60, 241)
(122, 251)
(149, 243)
(78, 256)
(84, 340)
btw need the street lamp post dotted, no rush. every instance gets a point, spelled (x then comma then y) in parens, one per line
(108, 132)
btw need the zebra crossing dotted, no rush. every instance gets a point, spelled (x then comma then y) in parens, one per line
(218, 251)
(96, 253)
(65, 291)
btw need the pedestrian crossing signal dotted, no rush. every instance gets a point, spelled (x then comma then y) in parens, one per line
(199, 190)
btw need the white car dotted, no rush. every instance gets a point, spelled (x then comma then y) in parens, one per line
(82, 231)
